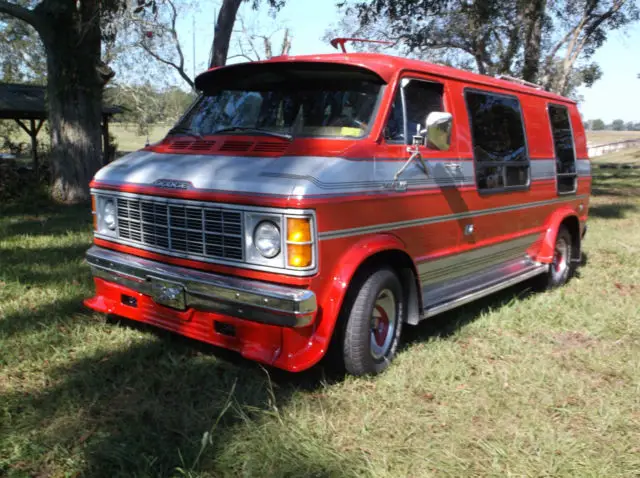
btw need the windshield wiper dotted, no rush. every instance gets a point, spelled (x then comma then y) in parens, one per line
(248, 129)
(183, 130)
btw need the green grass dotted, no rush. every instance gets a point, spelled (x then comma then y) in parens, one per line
(128, 138)
(519, 384)
(604, 137)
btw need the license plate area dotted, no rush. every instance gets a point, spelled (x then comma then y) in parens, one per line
(168, 293)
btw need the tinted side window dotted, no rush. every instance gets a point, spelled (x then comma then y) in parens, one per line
(499, 145)
(421, 98)
(563, 145)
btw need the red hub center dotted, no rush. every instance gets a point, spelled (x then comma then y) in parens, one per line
(380, 326)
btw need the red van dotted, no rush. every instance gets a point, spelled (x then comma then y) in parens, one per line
(309, 200)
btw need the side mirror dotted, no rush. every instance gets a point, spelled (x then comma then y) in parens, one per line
(439, 125)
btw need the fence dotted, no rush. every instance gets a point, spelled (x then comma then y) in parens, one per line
(600, 149)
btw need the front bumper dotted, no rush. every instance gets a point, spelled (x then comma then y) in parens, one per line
(242, 298)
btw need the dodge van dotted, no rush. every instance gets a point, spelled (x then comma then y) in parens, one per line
(308, 204)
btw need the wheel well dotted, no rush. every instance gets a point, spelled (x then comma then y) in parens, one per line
(573, 226)
(403, 265)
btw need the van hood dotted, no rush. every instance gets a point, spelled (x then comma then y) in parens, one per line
(282, 176)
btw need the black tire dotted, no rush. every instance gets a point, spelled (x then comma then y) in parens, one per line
(367, 350)
(563, 266)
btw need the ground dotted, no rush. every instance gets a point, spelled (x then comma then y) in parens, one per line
(604, 137)
(521, 383)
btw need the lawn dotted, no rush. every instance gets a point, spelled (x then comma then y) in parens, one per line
(604, 137)
(522, 383)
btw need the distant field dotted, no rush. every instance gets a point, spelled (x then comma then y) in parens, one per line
(604, 137)
(128, 138)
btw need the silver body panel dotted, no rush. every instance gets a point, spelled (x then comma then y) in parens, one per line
(296, 176)
(446, 283)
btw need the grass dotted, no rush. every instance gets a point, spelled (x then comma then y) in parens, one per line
(128, 138)
(518, 384)
(604, 137)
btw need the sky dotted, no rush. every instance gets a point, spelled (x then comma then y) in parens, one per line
(614, 96)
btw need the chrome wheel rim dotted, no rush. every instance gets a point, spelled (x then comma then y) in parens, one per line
(560, 264)
(383, 324)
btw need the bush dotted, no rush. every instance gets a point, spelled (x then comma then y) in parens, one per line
(19, 183)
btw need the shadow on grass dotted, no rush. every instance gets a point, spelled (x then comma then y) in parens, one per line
(611, 211)
(143, 410)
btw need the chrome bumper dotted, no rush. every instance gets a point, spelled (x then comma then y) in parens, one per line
(242, 298)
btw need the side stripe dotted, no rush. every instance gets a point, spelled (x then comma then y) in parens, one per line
(356, 231)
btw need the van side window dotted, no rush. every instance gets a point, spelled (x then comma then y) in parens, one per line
(420, 98)
(563, 145)
(499, 144)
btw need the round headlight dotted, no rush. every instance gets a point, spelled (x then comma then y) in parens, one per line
(266, 238)
(109, 217)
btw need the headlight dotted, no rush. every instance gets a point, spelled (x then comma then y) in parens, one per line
(266, 238)
(109, 212)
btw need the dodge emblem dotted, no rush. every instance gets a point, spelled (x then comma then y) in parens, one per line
(172, 184)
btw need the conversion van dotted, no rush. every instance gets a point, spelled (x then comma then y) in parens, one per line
(326, 202)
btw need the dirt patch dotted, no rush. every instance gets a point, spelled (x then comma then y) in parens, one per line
(572, 340)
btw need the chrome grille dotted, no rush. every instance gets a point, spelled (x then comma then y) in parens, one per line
(180, 227)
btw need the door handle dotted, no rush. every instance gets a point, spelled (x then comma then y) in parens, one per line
(468, 229)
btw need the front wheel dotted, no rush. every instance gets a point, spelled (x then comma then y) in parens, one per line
(374, 323)
(562, 267)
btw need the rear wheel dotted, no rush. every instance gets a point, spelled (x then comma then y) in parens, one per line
(562, 267)
(374, 323)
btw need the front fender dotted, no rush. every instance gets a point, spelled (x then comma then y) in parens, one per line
(347, 266)
(330, 302)
(545, 254)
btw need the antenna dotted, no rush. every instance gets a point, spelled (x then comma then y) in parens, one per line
(341, 41)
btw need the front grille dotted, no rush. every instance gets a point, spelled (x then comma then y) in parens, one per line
(195, 230)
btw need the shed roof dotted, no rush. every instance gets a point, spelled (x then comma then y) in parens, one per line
(28, 102)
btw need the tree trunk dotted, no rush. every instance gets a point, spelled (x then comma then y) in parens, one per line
(222, 35)
(74, 90)
(533, 23)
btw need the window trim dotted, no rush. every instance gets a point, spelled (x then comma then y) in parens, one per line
(555, 153)
(402, 83)
(527, 163)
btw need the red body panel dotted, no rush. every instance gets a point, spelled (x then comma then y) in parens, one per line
(339, 257)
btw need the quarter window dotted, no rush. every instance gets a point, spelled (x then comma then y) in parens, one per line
(563, 145)
(420, 99)
(499, 145)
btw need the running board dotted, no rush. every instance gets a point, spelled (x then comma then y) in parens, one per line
(478, 293)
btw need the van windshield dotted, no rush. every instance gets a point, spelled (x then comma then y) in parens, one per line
(341, 107)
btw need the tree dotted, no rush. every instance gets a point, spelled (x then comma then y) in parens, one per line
(548, 42)
(22, 57)
(253, 45)
(617, 125)
(71, 33)
(629, 126)
(155, 33)
(224, 28)
(597, 125)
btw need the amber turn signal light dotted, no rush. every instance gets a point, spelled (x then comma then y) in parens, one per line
(299, 245)
(299, 255)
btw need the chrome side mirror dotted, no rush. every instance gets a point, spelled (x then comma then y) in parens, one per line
(439, 125)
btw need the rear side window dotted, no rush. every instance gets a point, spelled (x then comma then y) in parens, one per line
(499, 144)
(564, 150)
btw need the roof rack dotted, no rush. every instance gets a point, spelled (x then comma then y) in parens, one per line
(341, 41)
(519, 81)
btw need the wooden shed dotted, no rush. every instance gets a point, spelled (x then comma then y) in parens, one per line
(26, 104)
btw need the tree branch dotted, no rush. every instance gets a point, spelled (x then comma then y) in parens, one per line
(21, 13)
